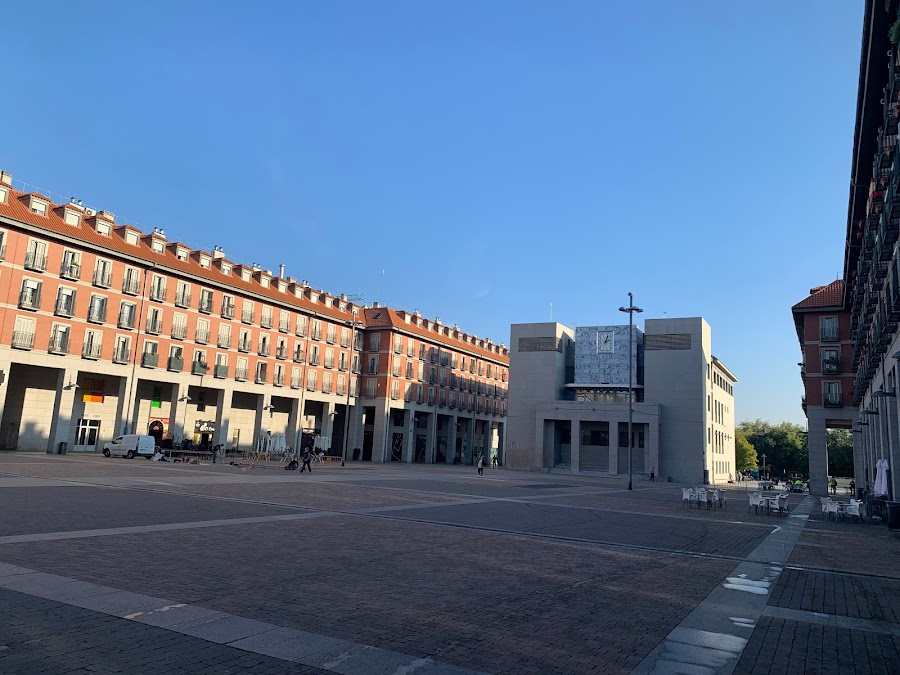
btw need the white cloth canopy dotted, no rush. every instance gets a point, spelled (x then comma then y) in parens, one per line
(881, 469)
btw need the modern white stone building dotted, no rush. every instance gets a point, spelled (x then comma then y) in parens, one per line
(568, 401)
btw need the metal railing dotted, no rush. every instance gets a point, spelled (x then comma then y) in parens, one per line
(131, 286)
(90, 351)
(182, 299)
(201, 336)
(65, 307)
(154, 326)
(35, 262)
(70, 270)
(59, 344)
(224, 341)
(22, 339)
(102, 279)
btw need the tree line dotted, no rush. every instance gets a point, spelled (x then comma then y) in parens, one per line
(785, 448)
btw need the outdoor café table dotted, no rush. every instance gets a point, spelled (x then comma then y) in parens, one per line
(772, 503)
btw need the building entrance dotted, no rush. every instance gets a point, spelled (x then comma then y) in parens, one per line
(86, 434)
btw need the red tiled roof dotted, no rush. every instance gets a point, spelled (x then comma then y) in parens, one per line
(385, 317)
(16, 208)
(824, 296)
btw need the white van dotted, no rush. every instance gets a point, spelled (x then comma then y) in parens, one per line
(130, 445)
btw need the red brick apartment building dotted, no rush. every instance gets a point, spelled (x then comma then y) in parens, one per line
(107, 329)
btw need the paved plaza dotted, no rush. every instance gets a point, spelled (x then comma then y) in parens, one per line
(115, 565)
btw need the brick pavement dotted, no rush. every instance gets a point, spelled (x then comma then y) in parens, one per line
(482, 584)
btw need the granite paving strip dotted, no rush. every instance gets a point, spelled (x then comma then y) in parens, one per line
(712, 638)
(286, 644)
(884, 627)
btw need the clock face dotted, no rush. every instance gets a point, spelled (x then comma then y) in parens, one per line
(604, 342)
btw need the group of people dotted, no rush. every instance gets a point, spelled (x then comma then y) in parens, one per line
(482, 462)
(306, 456)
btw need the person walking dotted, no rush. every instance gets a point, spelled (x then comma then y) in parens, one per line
(306, 459)
(495, 461)
(652, 474)
(481, 465)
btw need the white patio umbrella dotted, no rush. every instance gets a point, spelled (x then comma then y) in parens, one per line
(881, 467)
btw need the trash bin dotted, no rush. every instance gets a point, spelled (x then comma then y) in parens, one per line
(893, 515)
(62, 447)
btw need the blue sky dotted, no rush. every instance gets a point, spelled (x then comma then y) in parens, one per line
(478, 161)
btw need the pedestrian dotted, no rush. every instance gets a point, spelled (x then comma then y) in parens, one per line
(306, 464)
(832, 482)
(495, 461)
(480, 465)
(652, 474)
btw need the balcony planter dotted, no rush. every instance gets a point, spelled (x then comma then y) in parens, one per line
(221, 372)
(198, 368)
(175, 364)
(149, 360)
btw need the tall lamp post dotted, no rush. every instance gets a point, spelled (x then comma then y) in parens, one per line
(763, 457)
(630, 310)
(353, 325)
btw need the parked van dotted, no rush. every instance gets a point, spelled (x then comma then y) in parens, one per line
(130, 445)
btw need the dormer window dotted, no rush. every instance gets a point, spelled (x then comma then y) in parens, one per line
(158, 246)
(38, 206)
(131, 237)
(182, 253)
(102, 227)
(4, 194)
(226, 268)
(245, 274)
(72, 217)
(314, 298)
(205, 261)
(328, 301)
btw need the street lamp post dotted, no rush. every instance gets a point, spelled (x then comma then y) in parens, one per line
(763, 456)
(184, 399)
(630, 310)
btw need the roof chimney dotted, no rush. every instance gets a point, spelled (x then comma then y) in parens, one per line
(6, 178)
(281, 271)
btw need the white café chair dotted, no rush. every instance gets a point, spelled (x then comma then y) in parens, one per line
(722, 501)
(712, 496)
(831, 509)
(854, 509)
(686, 495)
(755, 501)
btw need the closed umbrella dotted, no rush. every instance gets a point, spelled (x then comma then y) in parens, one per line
(881, 467)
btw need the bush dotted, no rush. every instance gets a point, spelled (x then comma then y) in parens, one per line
(894, 33)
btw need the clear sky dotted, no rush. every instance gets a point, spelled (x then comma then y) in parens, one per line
(488, 162)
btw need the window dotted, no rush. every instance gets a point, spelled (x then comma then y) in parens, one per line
(329, 358)
(301, 326)
(409, 370)
(284, 321)
(102, 273)
(224, 339)
(227, 307)
(2, 244)
(158, 288)
(154, 321)
(131, 284)
(122, 350)
(244, 344)
(97, 309)
(240, 372)
(316, 329)
(828, 329)
(179, 326)
(36, 256)
(373, 364)
(59, 339)
(831, 394)
(278, 379)
(91, 347)
(375, 342)
(395, 367)
(395, 390)
(398, 344)
(201, 332)
(345, 337)
(326, 383)
(38, 206)
(341, 386)
(371, 387)
(30, 295)
(410, 347)
(830, 361)
(314, 355)
(71, 265)
(206, 301)
(65, 302)
(342, 361)
(183, 294)
(266, 318)
(354, 363)
(263, 345)
(299, 352)
(247, 312)
(23, 333)
(311, 380)
(330, 333)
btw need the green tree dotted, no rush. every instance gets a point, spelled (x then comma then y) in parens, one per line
(744, 454)
(784, 446)
(840, 452)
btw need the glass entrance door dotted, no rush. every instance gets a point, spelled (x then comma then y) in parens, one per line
(86, 435)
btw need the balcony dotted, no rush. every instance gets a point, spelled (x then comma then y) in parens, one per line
(22, 340)
(224, 342)
(295, 383)
(206, 304)
(64, 307)
(281, 353)
(199, 368)
(30, 298)
(201, 336)
(182, 299)
(149, 360)
(329, 362)
(35, 262)
(175, 364)
(247, 316)
(310, 385)
(102, 279)
(278, 380)
(121, 356)
(317, 335)
(244, 346)
(298, 357)
(126, 320)
(261, 377)
(832, 400)
(314, 361)
(263, 350)
(301, 330)
(131, 286)
(326, 388)
(265, 321)
(221, 372)
(97, 314)
(70, 270)
(158, 293)
(830, 334)
(59, 344)
(90, 351)
(240, 374)
(330, 337)
(227, 311)
(284, 326)
(179, 331)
